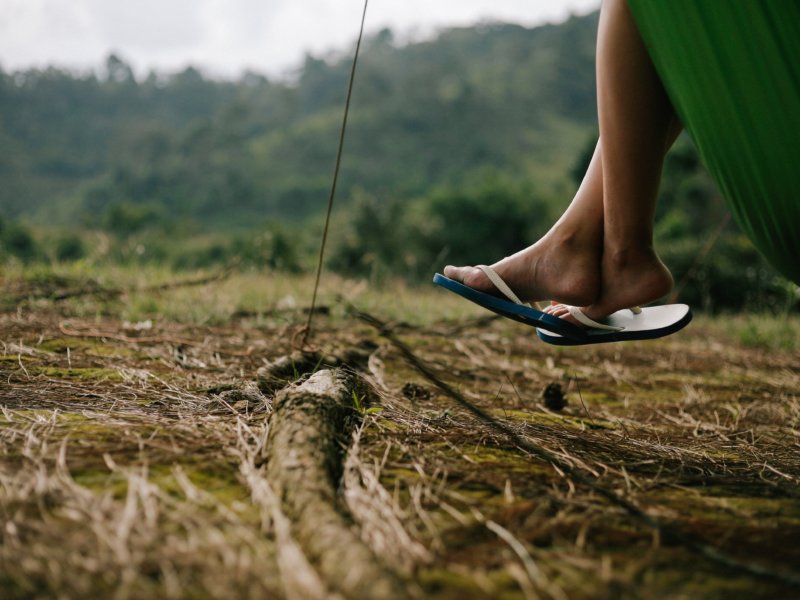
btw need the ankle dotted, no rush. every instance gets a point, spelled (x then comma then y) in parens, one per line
(630, 256)
(573, 238)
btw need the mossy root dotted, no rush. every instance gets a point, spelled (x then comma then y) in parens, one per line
(310, 424)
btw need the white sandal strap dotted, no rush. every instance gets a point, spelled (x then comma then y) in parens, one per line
(579, 316)
(501, 285)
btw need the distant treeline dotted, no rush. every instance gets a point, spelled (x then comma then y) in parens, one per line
(220, 153)
(463, 148)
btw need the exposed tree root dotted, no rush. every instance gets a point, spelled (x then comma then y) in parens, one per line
(308, 428)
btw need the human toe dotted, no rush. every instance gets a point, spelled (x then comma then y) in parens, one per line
(453, 272)
(557, 310)
(470, 276)
(459, 273)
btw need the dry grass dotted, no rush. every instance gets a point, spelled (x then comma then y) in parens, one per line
(132, 450)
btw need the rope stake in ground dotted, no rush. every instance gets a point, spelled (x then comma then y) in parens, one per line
(307, 333)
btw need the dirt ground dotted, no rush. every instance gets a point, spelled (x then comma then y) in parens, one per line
(471, 460)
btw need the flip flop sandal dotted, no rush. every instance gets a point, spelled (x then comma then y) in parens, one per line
(513, 308)
(628, 324)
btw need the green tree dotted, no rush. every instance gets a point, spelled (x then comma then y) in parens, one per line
(126, 218)
(18, 241)
(483, 222)
(69, 247)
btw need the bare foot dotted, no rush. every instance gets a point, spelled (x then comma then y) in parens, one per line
(557, 266)
(628, 279)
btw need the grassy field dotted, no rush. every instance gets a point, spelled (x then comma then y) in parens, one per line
(135, 446)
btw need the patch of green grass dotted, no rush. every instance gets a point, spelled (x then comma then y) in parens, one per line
(220, 479)
(263, 294)
(79, 374)
(15, 358)
(552, 418)
(101, 480)
(768, 331)
(448, 584)
(62, 344)
(771, 333)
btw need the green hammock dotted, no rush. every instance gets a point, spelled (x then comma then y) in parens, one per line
(732, 70)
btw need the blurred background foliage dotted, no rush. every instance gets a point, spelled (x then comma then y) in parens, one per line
(460, 149)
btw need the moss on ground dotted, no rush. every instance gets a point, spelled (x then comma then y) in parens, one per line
(77, 373)
(698, 429)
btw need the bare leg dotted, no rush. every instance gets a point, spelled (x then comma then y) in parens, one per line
(600, 252)
(637, 127)
(565, 263)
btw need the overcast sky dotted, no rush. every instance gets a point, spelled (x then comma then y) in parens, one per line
(224, 37)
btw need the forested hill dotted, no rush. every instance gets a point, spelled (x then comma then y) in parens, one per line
(76, 147)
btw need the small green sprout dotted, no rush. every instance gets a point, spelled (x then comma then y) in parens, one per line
(361, 409)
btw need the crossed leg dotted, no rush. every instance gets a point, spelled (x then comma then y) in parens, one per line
(600, 252)
(563, 264)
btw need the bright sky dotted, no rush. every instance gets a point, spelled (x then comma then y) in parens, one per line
(224, 37)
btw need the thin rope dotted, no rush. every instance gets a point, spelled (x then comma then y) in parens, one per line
(335, 177)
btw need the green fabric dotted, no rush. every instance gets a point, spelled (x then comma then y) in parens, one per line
(732, 70)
